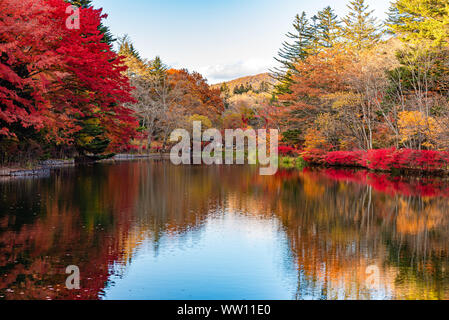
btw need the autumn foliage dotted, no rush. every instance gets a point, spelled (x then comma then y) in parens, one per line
(345, 87)
(288, 151)
(53, 78)
(381, 159)
(198, 96)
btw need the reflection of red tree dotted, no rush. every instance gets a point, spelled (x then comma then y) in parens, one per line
(96, 219)
(383, 182)
(35, 256)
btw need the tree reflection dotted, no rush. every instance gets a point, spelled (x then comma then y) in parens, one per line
(338, 224)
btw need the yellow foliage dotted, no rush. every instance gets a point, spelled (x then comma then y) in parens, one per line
(205, 122)
(344, 99)
(416, 126)
(314, 139)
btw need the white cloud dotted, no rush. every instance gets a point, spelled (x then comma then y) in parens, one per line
(224, 72)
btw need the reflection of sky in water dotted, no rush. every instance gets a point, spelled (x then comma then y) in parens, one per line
(151, 230)
(232, 257)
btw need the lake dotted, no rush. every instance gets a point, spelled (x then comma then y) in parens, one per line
(152, 230)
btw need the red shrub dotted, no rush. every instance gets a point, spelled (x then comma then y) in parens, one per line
(381, 159)
(288, 151)
(431, 160)
(315, 156)
(344, 158)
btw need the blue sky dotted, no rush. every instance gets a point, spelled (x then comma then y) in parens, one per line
(222, 39)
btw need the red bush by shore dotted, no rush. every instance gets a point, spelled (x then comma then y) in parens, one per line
(381, 159)
(287, 151)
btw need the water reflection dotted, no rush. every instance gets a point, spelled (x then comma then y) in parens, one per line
(150, 230)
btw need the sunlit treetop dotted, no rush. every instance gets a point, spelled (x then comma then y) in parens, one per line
(420, 20)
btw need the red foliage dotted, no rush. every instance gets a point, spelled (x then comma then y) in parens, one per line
(388, 159)
(344, 158)
(383, 182)
(316, 156)
(51, 76)
(28, 35)
(287, 151)
(382, 159)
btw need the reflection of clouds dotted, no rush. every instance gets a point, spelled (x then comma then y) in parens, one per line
(224, 72)
(319, 230)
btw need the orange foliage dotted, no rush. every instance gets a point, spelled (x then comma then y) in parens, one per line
(197, 95)
(317, 76)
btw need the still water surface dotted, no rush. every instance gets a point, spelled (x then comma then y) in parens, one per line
(151, 230)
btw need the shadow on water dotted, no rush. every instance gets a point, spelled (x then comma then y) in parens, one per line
(151, 230)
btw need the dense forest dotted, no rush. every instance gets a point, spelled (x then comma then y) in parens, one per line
(357, 84)
(79, 92)
(342, 84)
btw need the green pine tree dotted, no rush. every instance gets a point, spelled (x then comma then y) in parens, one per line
(292, 52)
(224, 88)
(328, 29)
(393, 18)
(225, 93)
(91, 142)
(81, 3)
(126, 47)
(158, 68)
(361, 29)
(417, 21)
(263, 87)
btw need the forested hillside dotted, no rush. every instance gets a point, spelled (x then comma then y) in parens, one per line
(341, 84)
(354, 83)
(263, 82)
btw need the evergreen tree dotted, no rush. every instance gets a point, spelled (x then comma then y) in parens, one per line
(81, 3)
(291, 52)
(242, 89)
(107, 35)
(225, 89)
(361, 29)
(328, 29)
(415, 21)
(226, 94)
(136, 65)
(126, 47)
(91, 142)
(263, 87)
(158, 68)
(314, 43)
(394, 18)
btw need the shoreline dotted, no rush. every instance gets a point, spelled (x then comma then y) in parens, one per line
(292, 163)
(43, 168)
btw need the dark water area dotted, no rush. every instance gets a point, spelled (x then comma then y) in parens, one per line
(152, 230)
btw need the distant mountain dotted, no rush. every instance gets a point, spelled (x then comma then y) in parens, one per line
(255, 81)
